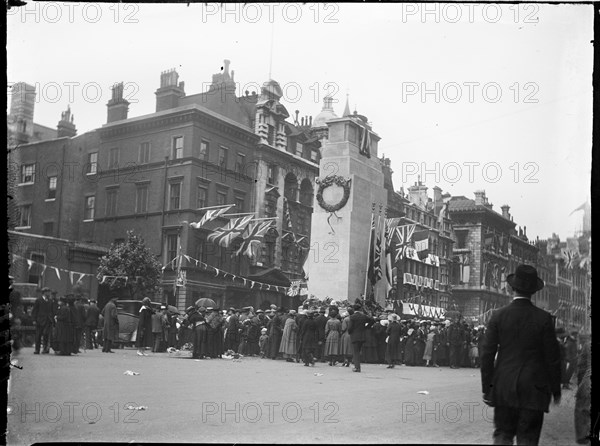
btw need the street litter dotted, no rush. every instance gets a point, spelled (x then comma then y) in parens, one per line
(130, 373)
(423, 392)
(132, 407)
(172, 350)
(318, 374)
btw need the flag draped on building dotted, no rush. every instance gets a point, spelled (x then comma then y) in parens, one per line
(388, 236)
(225, 235)
(252, 236)
(287, 217)
(365, 141)
(404, 235)
(210, 215)
(421, 241)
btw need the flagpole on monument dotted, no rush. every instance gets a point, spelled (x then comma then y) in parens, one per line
(178, 271)
(369, 250)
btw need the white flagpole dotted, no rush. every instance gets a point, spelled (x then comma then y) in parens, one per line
(240, 213)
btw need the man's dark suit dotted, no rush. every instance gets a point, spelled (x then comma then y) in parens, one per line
(92, 316)
(43, 316)
(521, 380)
(357, 335)
(321, 321)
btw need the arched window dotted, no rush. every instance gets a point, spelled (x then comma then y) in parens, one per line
(306, 193)
(290, 190)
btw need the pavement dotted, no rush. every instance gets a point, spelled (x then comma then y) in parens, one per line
(88, 398)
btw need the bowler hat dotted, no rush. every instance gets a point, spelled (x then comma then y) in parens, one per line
(525, 279)
(45, 289)
(259, 311)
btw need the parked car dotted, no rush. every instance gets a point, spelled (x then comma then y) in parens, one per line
(128, 312)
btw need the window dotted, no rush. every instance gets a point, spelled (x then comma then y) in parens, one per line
(49, 228)
(175, 196)
(52, 181)
(111, 203)
(25, 216)
(313, 155)
(202, 196)
(28, 173)
(299, 149)
(141, 199)
(203, 150)
(90, 205)
(177, 147)
(144, 153)
(223, 157)
(172, 240)
(35, 272)
(271, 134)
(221, 198)
(92, 164)
(113, 158)
(240, 163)
(461, 239)
(239, 204)
(271, 175)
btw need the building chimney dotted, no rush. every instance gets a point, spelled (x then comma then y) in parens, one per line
(22, 103)
(505, 208)
(170, 91)
(480, 197)
(438, 201)
(117, 106)
(417, 194)
(65, 126)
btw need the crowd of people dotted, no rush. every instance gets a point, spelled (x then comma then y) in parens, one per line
(326, 335)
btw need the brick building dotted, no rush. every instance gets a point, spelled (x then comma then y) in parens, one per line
(153, 173)
(488, 247)
(422, 280)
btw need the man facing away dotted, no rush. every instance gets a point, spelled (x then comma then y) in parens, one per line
(43, 319)
(357, 328)
(520, 382)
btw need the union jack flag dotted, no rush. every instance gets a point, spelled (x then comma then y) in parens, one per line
(225, 235)
(210, 215)
(252, 237)
(404, 234)
(569, 257)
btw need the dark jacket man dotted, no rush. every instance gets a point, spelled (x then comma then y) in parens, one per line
(92, 316)
(43, 318)
(321, 321)
(526, 374)
(357, 330)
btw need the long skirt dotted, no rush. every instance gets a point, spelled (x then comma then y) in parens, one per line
(582, 409)
(332, 344)
(409, 353)
(275, 343)
(369, 350)
(428, 350)
(199, 341)
(346, 345)
(65, 335)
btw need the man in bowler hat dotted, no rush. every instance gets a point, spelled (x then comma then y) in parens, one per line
(43, 318)
(520, 382)
(357, 329)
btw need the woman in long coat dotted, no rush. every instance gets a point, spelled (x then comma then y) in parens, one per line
(276, 333)
(333, 334)
(144, 328)
(196, 322)
(214, 334)
(380, 333)
(346, 342)
(369, 350)
(65, 331)
(428, 353)
(110, 331)
(394, 332)
(409, 350)
(289, 340)
(310, 338)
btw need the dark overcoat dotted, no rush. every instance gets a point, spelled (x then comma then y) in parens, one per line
(111, 322)
(526, 372)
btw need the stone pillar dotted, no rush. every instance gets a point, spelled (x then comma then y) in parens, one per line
(340, 242)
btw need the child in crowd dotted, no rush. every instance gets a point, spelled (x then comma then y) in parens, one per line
(262, 342)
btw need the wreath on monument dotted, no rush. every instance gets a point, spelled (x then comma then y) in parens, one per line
(330, 181)
(332, 208)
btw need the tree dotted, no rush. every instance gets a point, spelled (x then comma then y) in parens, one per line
(137, 269)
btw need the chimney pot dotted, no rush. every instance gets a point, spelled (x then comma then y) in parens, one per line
(226, 63)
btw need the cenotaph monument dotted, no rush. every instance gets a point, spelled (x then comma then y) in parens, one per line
(349, 187)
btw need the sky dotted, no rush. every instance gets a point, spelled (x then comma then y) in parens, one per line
(463, 96)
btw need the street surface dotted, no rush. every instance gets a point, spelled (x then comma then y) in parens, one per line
(84, 398)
